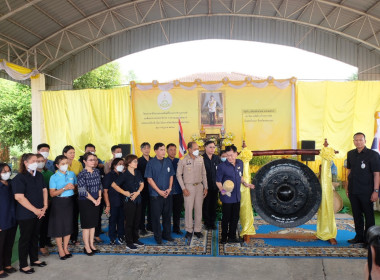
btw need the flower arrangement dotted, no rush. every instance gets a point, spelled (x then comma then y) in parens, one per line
(197, 139)
(228, 139)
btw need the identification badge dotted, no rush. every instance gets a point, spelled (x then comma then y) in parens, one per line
(240, 173)
(363, 165)
(168, 169)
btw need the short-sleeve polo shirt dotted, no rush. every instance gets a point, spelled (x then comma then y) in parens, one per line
(362, 166)
(160, 172)
(60, 180)
(32, 188)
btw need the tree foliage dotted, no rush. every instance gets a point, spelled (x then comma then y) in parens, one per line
(106, 76)
(15, 114)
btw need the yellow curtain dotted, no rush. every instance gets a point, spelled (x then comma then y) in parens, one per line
(326, 225)
(246, 213)
(79, 117)
(336, 111)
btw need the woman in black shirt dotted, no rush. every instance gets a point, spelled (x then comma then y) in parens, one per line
(130, 184)
(31, 194)
(8, 224)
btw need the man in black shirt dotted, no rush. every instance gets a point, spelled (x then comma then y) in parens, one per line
(145, 204)
(363, 167)
(211, 162)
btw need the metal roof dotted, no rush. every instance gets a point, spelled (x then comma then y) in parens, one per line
(67, 38)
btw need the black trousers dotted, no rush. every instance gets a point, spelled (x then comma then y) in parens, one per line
(7, 238)
(177, 209)
(361, 204)
(209, 207)
(44, 239)
(74, 235)
(145, 209)
(161, 206)
(230, 212)
(132, 214)
(28, 242)
(212, 117)
(116, 222)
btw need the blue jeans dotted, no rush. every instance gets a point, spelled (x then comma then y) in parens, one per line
(116, 222)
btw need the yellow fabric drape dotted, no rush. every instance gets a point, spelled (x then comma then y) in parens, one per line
(246, 213)
(336, 111)
(79, 117)
(326, 225)
(20, 69)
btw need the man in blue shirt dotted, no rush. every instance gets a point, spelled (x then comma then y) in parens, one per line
(44, 150)
(177, 191)
(159, 172)
(232, 170)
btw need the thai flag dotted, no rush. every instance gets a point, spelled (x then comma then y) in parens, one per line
(182, 143)
(375, 143)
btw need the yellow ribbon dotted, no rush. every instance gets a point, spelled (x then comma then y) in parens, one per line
(326, 225)
(246, 214)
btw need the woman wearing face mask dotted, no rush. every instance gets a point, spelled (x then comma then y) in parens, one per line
(114, 203)
(90, 196)
(31, 195)
(8, 224)
(62, 185)
(130, 184)
(44, 240)
(76, 167)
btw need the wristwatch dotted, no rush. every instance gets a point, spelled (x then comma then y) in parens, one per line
(376, 190)
(64, 188)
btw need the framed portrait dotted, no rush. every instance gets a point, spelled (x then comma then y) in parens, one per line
(212, 112)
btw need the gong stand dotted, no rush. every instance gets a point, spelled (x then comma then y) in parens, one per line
(291, 236)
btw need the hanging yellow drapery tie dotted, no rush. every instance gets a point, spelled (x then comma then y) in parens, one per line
(326, 225)
(246, 213)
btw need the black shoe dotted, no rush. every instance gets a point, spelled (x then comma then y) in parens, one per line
(138, 243)
(68, 256)
(188, 235)
(10, 270)
(41, 264)
(159, 241)
(168, 238)
(88, 254)
(98, 240)
(198, 234)
(3, 275)
(143, 232)
(223, 241)
(177, 232)
(96, 251)
(355, 241)
(29, 271)
(62, 258)
(131, 247)
(233, 240)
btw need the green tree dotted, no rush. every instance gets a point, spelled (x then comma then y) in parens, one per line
(16, 117)
(106, 76)
(353, 77)
(131, 76)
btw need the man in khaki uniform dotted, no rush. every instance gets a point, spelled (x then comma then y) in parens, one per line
(191, 175)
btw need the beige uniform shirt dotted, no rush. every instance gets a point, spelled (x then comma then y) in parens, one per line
(191, 171)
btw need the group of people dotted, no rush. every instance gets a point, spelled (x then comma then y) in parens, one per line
(46, 198)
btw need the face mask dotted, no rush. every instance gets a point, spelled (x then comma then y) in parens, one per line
(223, 159)
(33, 166)
(196, 153)
(45, 154)
(5, 176)
(118, 155)
(63, 168)
(120, 168)
(40, 165)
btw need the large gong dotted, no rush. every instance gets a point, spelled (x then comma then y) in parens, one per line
(287, 193)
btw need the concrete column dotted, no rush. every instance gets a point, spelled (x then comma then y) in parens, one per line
(38, 124)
